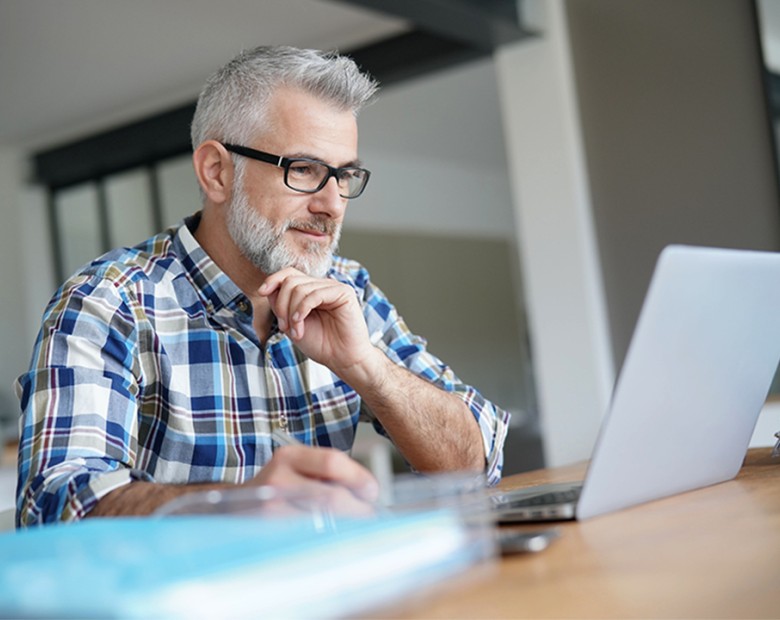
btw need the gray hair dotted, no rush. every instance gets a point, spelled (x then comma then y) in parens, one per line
(233, 104)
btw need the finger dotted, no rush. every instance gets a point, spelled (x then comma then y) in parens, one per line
(278, 287)
(325, 295)
(272, 282)
(294, 290)
(306, 297)
(275, 281)
(329, 465)
(297, 295)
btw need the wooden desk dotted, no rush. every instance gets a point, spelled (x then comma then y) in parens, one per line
(711, 553)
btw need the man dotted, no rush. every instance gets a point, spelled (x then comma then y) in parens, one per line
(164, 369)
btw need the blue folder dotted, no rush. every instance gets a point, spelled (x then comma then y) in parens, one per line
(226, 566)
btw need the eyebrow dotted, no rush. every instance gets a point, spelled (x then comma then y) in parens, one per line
(355, 163)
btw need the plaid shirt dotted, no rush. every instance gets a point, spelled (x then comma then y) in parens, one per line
(147, 367)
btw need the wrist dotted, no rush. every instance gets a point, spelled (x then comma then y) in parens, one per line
(369, 374)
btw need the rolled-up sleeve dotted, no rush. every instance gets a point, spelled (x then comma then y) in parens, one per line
(78, 431)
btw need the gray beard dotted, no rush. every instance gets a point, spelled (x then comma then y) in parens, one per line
(264, 245)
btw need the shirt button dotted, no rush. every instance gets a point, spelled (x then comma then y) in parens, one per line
(243, 306)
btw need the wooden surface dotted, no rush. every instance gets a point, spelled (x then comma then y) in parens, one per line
(710, 553)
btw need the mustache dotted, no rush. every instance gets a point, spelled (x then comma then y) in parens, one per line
(317, 224)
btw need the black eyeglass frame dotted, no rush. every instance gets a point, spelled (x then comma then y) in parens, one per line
(285, 162)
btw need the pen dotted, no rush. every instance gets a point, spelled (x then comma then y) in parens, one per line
(284, 439)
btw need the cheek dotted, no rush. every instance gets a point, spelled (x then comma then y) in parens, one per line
(269, 197)
(267, 204)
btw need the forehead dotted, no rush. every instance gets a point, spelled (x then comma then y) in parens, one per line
(301, 124)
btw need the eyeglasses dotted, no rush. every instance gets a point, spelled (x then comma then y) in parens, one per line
(310, 175)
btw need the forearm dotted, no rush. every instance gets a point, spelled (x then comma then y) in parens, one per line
(323, 472)
(434, 430)
(143, 498)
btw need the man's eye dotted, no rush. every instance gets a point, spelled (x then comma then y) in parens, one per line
(302, 170)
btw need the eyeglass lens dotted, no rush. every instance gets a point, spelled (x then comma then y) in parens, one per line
(311, 176)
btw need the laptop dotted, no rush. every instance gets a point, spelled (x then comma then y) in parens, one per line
(698, 369)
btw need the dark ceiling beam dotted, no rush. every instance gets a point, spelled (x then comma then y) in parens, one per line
(129, 146)
(481, 24)
(411, 54)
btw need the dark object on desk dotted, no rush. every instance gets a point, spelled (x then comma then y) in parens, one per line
(522, 541)
(694, 380)
(549, 502)
(776, 449)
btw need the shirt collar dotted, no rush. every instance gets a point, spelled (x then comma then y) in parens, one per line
(213, 284)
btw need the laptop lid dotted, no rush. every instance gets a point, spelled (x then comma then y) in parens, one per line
(694, 380)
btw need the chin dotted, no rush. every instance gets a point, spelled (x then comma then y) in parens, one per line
(317, 270)
(314, 261)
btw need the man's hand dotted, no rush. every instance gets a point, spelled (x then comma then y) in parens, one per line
(301, 467)
(310, 480)
(324, 319)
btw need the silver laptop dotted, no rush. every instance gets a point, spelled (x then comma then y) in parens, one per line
(696, 375)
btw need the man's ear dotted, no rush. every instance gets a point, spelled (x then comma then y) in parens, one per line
(214, 169)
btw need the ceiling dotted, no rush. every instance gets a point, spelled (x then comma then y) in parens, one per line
(73, 66)
(69, 68)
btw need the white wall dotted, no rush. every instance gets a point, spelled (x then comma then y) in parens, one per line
(436, 148)
(14, 282)
(565, 297)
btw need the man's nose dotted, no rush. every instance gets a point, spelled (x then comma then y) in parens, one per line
(328, 200)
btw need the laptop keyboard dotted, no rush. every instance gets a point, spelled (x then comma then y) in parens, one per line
(552, 497)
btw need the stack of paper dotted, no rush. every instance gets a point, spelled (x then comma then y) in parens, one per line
(227, 566)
